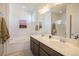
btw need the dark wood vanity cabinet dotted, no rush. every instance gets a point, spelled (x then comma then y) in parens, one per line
(49, 51)
(43, 53)
(34, 45)
(40, 49)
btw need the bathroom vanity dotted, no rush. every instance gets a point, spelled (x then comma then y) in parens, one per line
(45, 46)
(40, 49)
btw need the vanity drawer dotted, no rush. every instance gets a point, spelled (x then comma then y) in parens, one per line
(49, 51)
(35, 41)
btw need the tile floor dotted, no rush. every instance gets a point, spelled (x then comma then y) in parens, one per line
(21, 53)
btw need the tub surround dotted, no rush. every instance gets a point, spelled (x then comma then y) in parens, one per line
(67, 47)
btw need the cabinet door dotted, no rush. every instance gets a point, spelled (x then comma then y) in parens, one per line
(35, 49)
(43, 53)
(31, 46)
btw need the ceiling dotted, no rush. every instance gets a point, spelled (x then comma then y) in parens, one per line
(59, 9)
(31, 7)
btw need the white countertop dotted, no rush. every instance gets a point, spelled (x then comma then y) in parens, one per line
(67, 49)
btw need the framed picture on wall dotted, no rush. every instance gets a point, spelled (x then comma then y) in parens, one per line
(22, 24)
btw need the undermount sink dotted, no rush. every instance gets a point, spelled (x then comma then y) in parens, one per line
(58, 39)
(61, 41)
(53, 39)
(68, 43)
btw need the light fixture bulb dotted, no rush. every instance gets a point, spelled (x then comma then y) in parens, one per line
(24, 7)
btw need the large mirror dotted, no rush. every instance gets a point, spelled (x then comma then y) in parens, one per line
(58, 18)
(53, 21)
(61, 20)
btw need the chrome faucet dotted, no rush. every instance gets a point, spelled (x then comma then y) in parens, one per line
(76, 36)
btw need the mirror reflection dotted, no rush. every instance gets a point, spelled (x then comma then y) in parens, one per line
(58, 17)
(61, 20)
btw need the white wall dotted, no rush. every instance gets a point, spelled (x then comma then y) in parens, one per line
(4, 9)
(72, 9)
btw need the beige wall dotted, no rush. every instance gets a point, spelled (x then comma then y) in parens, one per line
(4, 9)
(72, 9)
